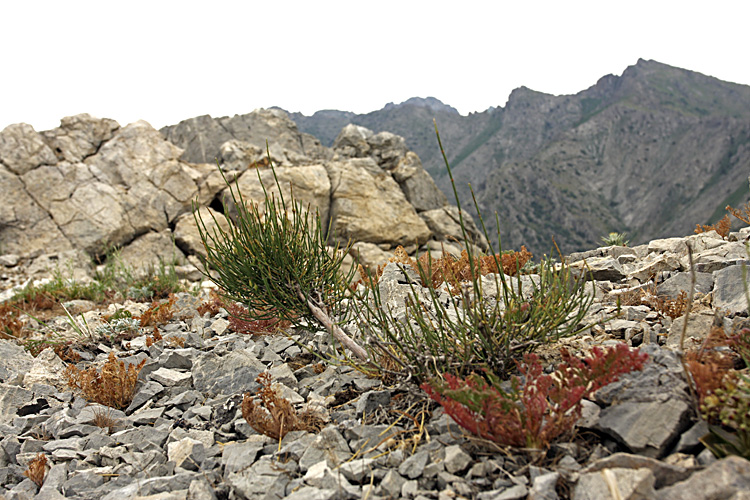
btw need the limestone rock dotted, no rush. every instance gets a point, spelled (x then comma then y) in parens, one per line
(79, 136)
(309, 184)
(417, 184)
(22, 149)
(352, 141)
(367, 207)
(727, 478)
(25, 227)
(186, 234)
(444, 223)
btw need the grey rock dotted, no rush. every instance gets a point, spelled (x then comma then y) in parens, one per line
(171, 378)
(147, 392)
(23, 149)
(729, 290)
(187, 453)
(600, 268)
(630, 484)
(664, 473)
(391, 484)
(233, 373)
(367, 206)
(200, 489)
(151, 486)
(413, 467)
(311, 493)
(680, 282)
(698, 327)
(543, 487)
(444, 223)
(186, 234)
(358, 470)
(648, 409)
(329, 446)
(237, 457)
(726, 478)
(15, 362)
(12, 397)
(456, 459)
(516, 492)
(264, 480)
(371, 401)
(79, 136)
(417, 184)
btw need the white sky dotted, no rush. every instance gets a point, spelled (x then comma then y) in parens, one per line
(166, 61)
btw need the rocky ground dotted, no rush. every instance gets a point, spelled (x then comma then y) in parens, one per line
(184, 437)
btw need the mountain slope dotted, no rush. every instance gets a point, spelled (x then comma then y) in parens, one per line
(651, 153)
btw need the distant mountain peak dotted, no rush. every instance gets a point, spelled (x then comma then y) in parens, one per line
(424, 102)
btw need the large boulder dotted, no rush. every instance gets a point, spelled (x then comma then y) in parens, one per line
(110, 185)
(368, 205)
(79, 136)
(25, 227)
(418, 186)
(309, 185)
(22, 149)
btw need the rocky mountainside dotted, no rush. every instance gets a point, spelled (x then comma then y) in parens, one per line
(651, 152)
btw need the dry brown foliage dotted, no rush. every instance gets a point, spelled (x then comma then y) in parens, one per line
(252, 326)
(37, 469)
(674, 308)
(274, 416)
(153, 339)
(742, 214)
(211, 305)
(10, 324)
(711, 367)
(722, 227)
(175, 341)
(114, 386)
(158, 313)
(449, 269)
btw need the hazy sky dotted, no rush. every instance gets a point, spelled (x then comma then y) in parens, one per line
(165, 61)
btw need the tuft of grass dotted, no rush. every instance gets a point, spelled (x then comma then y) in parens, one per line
(485, 323)
(615, 239)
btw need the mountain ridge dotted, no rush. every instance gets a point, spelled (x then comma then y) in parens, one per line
(655, 150)
(651, 152)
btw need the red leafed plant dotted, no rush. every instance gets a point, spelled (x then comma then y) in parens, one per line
(537, 407)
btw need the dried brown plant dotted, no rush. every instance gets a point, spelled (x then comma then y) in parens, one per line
(674, 308)
(10, 324)
(742, 214)
(712, 367)
(175, 341)
(211, 305)
(153, 339)
(274, 416)
(104, 419)
(237, 323)
(449, 269)
(37, 469)
(114, 386)
(722, 227)
(158, 313)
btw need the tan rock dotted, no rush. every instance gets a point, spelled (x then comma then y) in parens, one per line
(366, 206)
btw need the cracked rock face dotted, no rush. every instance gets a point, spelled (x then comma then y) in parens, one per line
(92, 185)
